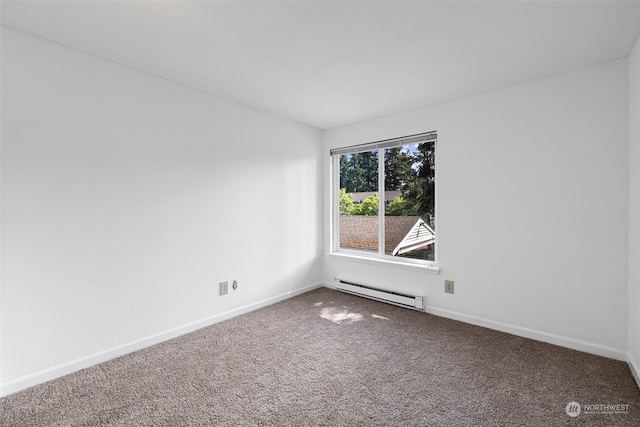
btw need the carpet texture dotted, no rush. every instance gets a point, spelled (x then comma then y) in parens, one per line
(332, 359)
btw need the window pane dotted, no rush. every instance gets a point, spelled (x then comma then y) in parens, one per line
(409, 201)
(359, 201)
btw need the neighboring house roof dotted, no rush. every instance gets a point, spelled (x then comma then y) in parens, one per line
(420, 236)
(359, 232)
(389, 195)
(402, 233)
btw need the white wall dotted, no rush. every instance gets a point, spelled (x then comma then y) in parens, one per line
(531, 207)
(634, 209)
(126, 198)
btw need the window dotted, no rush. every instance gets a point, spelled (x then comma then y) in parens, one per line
(384, 199)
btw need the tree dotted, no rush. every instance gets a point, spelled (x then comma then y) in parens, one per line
(398, 207)
(397, 168)
(346, 203)
(369, 206)
(369, 165)
(344, 173)
(359, 172)
(355, 174)
(410, 169)
(420, 192)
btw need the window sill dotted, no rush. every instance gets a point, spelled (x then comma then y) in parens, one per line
(429, 269)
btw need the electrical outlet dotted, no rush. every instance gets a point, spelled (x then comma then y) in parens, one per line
(448, 286)
(224, 288)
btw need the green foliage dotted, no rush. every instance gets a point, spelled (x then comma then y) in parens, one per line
(398, 207)
(419, 193)
(397, 167)
(369, 206)
(359, 172)
(344, 173)
(346, 203)
(410, 169)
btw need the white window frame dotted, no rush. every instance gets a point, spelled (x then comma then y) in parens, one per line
(377, 258)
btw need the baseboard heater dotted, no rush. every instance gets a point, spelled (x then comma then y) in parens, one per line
(395, 298)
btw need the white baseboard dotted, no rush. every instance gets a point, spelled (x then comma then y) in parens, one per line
(29, 380)
(635, 368)
(572, 343)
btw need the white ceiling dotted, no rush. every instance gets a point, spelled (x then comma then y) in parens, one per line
(326, 64)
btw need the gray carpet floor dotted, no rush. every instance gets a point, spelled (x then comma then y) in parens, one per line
(332, 359)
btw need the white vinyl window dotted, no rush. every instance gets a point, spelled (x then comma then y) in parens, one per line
(383, 197)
